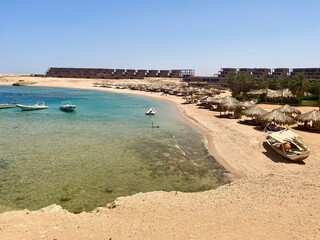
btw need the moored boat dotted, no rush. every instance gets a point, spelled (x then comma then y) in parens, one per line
(151, 111)
(288, 144)
(7, 105)
(38, 106)
(67, 106)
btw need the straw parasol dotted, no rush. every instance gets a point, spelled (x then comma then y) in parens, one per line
(313, 116)
(212, 99)
(200, 93)
(229, 104)
(288, 110)
(276, 117)
(188, 97)
(271, 93)
(214, 102)
(246, 104)
(253, 112)
(203, 99)
(217, 100)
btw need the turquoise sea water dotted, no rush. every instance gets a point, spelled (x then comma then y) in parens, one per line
(103, 150)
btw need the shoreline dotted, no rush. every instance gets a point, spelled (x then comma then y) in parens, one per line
(269, 199)
(232, 173)
(227, 141)
(209, 142)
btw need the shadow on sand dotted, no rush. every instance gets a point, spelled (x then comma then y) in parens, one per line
(275, 157)
(307, 129)
(249, 122)
(228, 115)
(259, 128)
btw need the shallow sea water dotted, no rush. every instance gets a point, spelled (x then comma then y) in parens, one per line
(105, 149)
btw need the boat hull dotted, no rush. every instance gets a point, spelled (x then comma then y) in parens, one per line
(287, 144)
(293, 156)
(66, 106)
(68, 109)
(31, 108)
(4, 106)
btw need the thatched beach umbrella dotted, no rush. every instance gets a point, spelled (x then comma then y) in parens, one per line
(271, 93)
(246, 104)
(191, 90)
(276, 117)
(279, 93)
(313, 116)
(200, 93)
(182, 91)
(187, 97)
(216, 100)
(229, 104)
(190, 99)
(257, 92)
(253, 112)
(212, 91)
(288, 110)
(212, 99)
(203, 98)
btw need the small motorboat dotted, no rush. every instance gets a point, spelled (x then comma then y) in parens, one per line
(67, 106)
(151, 111)
(38, 106)
(288, 144)
(7, 105)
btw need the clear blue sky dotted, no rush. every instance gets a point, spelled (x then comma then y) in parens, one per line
(204, 35)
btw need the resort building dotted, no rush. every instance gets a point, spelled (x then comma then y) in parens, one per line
(221, 79)
(187, 75)
(199, 79)
(246, 70)
(279, 73)
(105, 73)
(311, 73)
(261, 73)
(224, 75)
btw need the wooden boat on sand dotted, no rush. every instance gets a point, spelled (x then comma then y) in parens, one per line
(288, 144)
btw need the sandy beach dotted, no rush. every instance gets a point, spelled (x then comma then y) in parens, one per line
(269, 198)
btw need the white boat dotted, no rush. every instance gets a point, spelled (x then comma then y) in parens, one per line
(67, 106)
(288, 144)
(38, 106)
(151, 111)
(7, 105)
